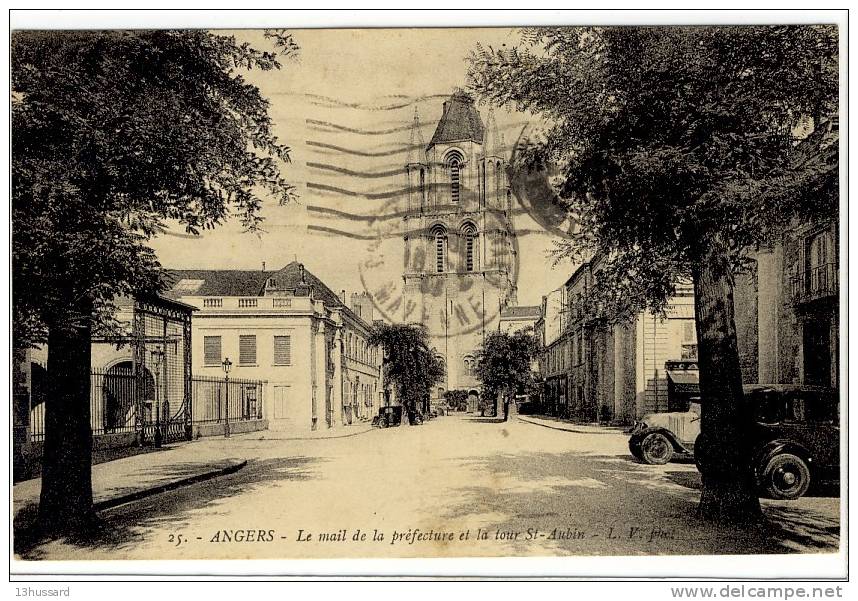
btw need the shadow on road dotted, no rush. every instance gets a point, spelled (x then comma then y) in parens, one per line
(621, 507)
(127, 524)
(686, 479)
(798, 528)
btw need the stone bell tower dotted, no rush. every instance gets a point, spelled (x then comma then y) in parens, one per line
(460, 247)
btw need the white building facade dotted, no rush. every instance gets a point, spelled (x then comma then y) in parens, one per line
(290, 330)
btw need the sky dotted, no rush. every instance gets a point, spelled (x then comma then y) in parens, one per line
(345, 108)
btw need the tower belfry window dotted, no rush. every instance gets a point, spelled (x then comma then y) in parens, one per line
(440, 249)
(422, 187)
(454, 179)
(471, 252)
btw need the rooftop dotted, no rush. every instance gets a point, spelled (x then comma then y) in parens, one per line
(460, 121)
(235, 282)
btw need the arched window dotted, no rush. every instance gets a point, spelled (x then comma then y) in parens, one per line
(469, 365)
(471, 255)
(422, 187)
(439, 234)
(454, 164)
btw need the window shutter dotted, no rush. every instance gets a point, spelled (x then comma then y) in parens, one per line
(211, 350)
(282, 350)
(247, 349)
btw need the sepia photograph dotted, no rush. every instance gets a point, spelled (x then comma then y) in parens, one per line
(347, 293)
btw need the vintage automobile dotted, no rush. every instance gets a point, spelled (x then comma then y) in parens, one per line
(795, 437)
(388, 416)
(657, 436)
(392, 416)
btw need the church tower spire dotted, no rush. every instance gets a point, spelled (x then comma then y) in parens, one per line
(416, 170)
(416, 146)
(491, 145)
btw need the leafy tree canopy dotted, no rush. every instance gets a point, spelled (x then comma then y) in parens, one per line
(504, 362)
(113, 134)
(409, 363)
(666, 138)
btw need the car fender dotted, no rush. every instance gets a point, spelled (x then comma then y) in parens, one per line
(776, 447)
(677, 445)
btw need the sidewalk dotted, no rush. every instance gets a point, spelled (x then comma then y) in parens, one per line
(131, 478)
(556, 423)
(137, 476)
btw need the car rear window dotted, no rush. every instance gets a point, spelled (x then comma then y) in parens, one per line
(811, 407)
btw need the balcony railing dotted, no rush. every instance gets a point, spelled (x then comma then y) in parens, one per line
(818, 282)
(249, 302)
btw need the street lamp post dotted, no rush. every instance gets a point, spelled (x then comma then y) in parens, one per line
(226, 365)
(157, 358)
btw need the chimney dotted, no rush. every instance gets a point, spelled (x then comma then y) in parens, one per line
(343, 296)
(263, 266)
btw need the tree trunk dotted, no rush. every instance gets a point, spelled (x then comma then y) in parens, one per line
(722, 450)
(66, 497)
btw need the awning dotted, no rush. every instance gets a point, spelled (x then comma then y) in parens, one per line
(684, 381)
(683, 377)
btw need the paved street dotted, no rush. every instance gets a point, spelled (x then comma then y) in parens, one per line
(458, 485)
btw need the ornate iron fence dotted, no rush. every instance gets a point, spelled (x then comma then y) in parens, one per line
(124, 402)
(217, 399)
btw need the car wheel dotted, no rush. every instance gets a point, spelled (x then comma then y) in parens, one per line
(786, 476)
(656, 449)
(382, 423)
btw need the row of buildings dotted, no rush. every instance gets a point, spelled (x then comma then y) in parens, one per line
(787, 321)
(595, 369)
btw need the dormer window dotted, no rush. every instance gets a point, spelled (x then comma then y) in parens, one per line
(271, 283)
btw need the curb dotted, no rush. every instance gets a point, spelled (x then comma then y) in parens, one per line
(527, 421)
(167, 486)
(316, 437)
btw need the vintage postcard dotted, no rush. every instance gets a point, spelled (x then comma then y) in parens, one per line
(475, 292)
